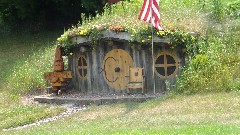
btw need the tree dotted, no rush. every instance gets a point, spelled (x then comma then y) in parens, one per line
(51, 13)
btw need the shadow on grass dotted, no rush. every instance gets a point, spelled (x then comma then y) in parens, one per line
(131, 106)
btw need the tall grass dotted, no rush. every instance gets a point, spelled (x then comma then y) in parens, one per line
(23, 60)
(216, 65)
(214, 70)
(185, 15)
(28, 75)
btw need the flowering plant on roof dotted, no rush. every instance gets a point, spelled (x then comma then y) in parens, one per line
(117, 28)
(82, 32)
(177, 37)
(141, 34)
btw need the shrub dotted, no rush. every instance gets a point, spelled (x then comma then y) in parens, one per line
(215, 68)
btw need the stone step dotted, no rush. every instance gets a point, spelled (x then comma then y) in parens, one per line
(89, 101)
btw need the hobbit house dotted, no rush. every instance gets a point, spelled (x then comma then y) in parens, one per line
(115, 65)
(117, 54)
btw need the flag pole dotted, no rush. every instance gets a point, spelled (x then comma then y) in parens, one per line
(153, 65)
(154, 86)
(147, 15)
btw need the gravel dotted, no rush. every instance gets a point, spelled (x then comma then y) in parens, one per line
(74, 108)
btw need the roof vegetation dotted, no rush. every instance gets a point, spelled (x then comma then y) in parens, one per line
(177, 21)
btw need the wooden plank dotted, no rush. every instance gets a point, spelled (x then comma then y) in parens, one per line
(93, 81)
(101, 53)
(135, 86)
(63, 74)
(148, 72)
(136, 75)
(75, 79)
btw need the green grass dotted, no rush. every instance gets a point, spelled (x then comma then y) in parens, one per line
(25, 114)
(17, 47)
(17, 51)
(212, 113)
(24, 60)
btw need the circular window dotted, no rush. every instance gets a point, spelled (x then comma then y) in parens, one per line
(166, 65)
(82, 66)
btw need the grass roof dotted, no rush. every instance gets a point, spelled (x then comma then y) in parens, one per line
(177, 17)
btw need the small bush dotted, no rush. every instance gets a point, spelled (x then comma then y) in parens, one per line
(215, 68)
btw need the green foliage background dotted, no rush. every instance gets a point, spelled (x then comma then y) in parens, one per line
(215, 64)
(35, 15)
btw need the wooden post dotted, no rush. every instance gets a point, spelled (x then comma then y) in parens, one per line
(59, 76)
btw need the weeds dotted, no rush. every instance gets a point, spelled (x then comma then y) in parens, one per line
(24, 59)
(215, 68)
(28, 75)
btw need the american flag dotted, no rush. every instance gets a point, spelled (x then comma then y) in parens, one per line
(150, 13)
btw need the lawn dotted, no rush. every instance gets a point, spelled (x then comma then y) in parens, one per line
(211, 113)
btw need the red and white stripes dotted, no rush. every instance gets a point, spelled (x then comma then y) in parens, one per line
(150, 13)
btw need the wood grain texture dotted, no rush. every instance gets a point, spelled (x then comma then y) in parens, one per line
(108, 65)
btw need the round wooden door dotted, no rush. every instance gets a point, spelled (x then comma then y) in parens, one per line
(116, 65)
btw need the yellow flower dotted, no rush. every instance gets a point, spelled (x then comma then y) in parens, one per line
(59, 39)
(143, 41)
(83, 32)
(160, 33)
